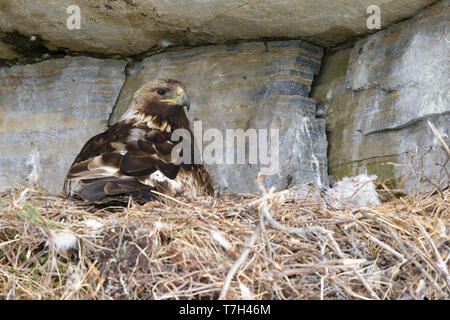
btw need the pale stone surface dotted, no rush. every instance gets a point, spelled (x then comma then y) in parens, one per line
(251, 85)
(379, 95)
(134, 26)
(48, 111)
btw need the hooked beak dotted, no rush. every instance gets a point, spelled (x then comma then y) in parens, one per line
(182, 99)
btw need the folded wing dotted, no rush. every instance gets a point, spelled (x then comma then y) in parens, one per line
(124, 160)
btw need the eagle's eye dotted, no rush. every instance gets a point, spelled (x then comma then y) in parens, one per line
(161, 92)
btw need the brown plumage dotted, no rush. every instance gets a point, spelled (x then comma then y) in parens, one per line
(134, 156)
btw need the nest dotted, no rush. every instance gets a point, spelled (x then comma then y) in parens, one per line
(238, 246)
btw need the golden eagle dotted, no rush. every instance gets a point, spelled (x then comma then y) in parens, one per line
(134, 156)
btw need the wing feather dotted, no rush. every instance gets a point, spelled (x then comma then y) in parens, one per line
(116, 162)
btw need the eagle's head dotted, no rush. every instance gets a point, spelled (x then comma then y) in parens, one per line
(160, 103)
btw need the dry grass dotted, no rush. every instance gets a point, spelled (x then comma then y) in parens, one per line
(233, 247)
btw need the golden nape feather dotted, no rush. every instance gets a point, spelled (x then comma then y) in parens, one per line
(134, 157)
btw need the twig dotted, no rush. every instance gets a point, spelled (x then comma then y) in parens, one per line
(298, 231)
(302, 231)
(213, 286)
(366, 285)
(425, 273)
(266, 237)
(387, 248)
(439, 136)
(239, 262)
(441, 266)
(171, 198)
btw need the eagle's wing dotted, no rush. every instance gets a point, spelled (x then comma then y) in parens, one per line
(124, 160)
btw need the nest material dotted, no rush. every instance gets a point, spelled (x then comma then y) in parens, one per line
(234, 247)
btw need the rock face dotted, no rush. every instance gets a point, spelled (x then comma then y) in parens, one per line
(134, 26)
(376, 96)
(48, 111)
(248, 86)
(379, 95)
(7, 52)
